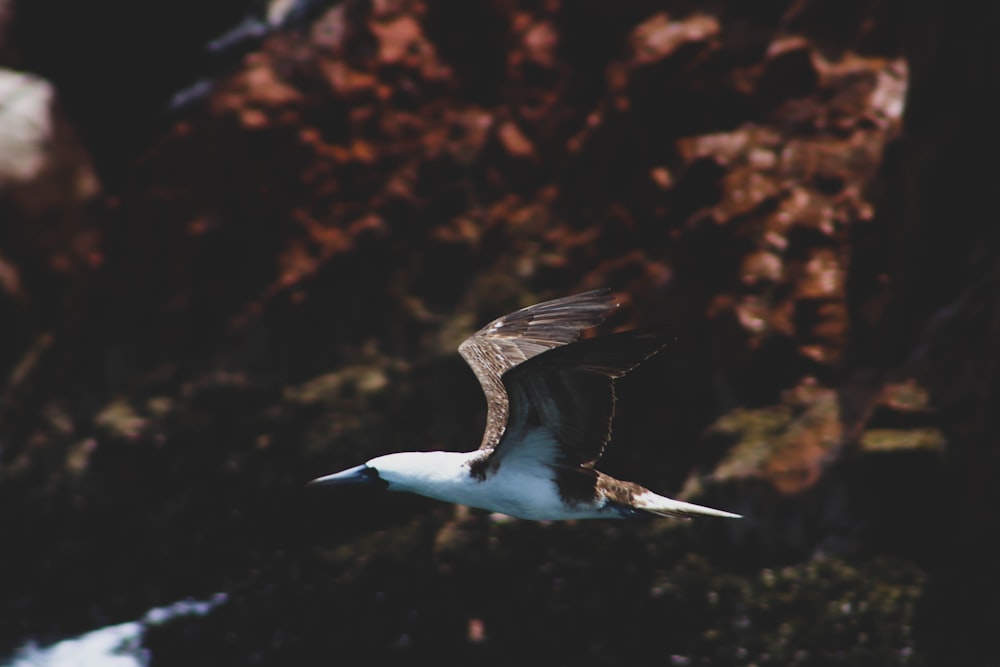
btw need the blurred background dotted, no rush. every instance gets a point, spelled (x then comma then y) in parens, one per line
(240, 243)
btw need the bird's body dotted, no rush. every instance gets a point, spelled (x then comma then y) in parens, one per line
(522, 491)
(550, 402)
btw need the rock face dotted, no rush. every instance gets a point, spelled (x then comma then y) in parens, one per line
(49, 241)
(46, 177)
(277, 287)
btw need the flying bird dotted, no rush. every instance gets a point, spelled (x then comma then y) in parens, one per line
(550, 401)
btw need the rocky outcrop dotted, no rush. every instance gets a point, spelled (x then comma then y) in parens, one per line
(278, 287)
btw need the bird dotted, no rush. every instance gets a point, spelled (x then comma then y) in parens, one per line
(550, 403)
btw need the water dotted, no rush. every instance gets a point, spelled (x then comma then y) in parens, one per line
(114, 646)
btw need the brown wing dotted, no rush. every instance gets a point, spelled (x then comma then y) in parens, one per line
(570, 392)
(513, 339)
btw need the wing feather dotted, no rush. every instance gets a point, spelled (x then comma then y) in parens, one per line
(570, 392)
(513, 339)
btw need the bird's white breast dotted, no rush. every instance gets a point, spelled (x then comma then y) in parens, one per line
(520, 488)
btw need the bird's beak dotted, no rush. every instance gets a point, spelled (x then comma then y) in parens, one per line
(357, 475)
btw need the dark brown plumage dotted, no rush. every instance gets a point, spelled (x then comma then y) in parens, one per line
(512, 339)
(534, 373)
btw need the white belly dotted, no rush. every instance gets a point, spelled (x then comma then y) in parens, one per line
(520, 494)
(520, 486)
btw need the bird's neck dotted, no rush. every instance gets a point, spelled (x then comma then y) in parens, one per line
(426, 473)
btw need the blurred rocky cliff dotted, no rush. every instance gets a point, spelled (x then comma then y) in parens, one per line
(211, 293)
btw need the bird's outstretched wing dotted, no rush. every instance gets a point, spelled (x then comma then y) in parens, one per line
(513, 339)
(562, 402)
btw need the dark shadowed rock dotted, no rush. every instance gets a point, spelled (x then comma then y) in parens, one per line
(285, 274)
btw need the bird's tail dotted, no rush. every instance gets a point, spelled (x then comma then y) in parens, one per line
(662, 506)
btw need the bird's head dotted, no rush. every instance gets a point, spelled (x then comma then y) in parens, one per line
(405, 471)
(362, 475)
